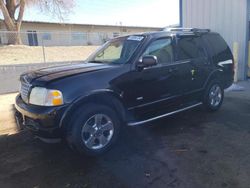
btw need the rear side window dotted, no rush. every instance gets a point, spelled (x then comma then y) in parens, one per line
(189, 47)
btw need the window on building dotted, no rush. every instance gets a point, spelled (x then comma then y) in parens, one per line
(124, 30)
(116, 34)
(79, 36)
(47, 36)
(189, 47)
(162, 49)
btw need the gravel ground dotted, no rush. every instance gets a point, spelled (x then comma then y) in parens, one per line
(193, 149)
(7, 121)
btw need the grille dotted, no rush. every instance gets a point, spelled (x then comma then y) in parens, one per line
(25, 89)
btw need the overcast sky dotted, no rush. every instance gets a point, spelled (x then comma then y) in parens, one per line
(157, 13)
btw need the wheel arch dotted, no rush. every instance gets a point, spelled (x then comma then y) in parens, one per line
(105, 97)
(217, 74)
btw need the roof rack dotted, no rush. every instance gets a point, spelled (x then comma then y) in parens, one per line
(195, 30)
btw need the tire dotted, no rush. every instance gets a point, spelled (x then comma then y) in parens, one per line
(93, 129)
(213, 97)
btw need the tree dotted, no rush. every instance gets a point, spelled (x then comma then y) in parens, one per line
(13, 11)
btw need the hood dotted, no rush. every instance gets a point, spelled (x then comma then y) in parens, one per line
(59, 72)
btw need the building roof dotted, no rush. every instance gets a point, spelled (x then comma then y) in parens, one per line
(98, 25)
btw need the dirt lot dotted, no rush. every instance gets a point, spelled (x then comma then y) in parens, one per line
(26, 54)
(7, 122)
(190, 150)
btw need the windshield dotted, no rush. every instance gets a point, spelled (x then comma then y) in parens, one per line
(117, 51)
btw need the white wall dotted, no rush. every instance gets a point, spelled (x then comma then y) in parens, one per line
(64, 34)
(227, 17)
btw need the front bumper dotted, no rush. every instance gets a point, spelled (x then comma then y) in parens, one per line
(42, 121)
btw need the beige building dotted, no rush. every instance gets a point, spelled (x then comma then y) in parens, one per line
(53, 34)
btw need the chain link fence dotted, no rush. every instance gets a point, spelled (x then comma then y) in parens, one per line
(43, 49)
(35, 38)
(48, 47)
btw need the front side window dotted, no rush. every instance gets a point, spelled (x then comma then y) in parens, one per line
(117, 51)
(189, 48)
(162, 49)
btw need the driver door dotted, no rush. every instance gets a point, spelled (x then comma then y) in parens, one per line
(157, 87)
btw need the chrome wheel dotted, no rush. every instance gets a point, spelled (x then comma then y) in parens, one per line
(215, 95)
(97, 132)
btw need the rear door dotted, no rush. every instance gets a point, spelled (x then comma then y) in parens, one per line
(194, 65)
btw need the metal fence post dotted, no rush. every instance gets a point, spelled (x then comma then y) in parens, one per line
(44, 57)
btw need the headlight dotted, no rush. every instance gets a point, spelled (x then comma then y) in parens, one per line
(45, 97)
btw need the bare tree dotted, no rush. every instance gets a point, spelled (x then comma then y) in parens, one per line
(13, 11)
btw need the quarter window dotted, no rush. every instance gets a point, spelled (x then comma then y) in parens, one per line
(162, 49)
(216, 42)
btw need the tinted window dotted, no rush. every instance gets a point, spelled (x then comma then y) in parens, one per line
(189, 48)
(162, 49)
(216, 42)
(217, 47)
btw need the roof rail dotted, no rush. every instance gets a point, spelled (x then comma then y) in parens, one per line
(195, 30)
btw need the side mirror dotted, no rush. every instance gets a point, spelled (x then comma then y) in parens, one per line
(147, 61)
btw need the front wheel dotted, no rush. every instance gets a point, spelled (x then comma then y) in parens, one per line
(214, 96)
(94, 130)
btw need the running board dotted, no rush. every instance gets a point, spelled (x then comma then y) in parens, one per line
(164, 115)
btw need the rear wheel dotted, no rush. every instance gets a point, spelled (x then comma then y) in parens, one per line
(94, 129)
(214, 96)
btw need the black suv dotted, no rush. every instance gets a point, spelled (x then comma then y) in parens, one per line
(130, 80)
